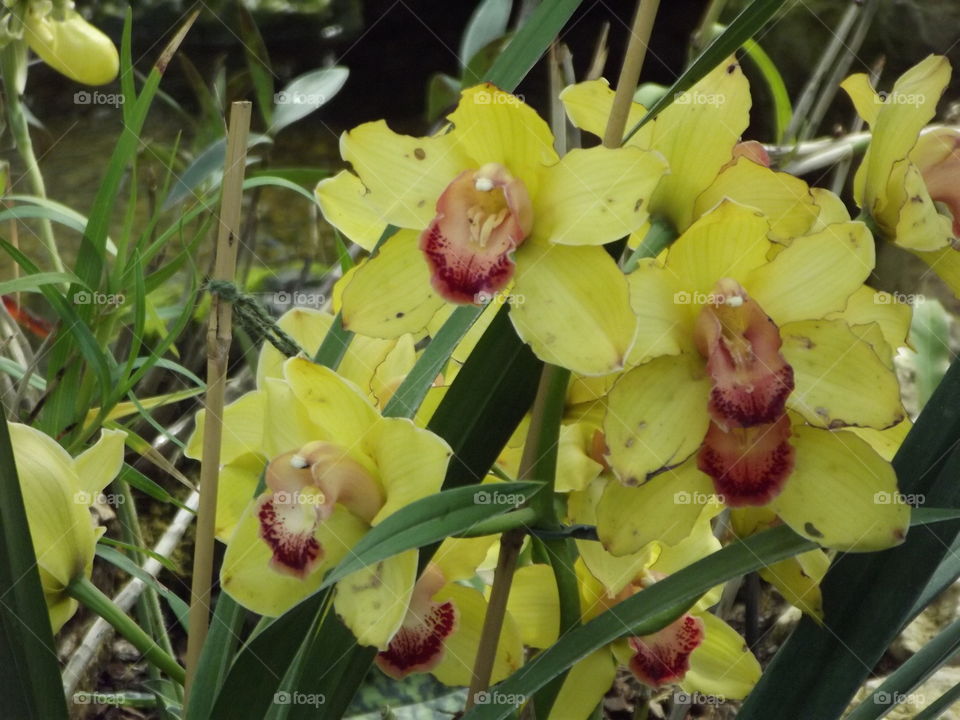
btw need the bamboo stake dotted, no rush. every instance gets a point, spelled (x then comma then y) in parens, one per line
(219, 336)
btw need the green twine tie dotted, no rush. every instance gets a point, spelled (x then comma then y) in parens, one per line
(254, 319)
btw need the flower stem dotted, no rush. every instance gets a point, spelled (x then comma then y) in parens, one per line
(85, 592)
(10, 68)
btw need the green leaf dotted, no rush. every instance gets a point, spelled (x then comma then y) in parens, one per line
(276, 181)
(487, 400)
(868, 599)
(141, 482)
(218, 652)
(930, 658)
(939, 706)
(117, 558)
(306, 93)
(530, 43)
(743, 27)
(486, 24)
(782, 109)
(406, 400)
(208, 163)
(34, 281)
(428, 521)
(930, 339)
(258, 63)
(29, 672)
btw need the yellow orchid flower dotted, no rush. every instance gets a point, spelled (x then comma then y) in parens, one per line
(336, 469)
(375, 366)
(58, 491)
(699, 653)
(486, 208)
(746, 376)
(901, 181)
(699, 135)
(71, 46)
(442, 627)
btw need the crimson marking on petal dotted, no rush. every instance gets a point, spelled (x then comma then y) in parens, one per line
(418, 644)
(459, 275)
(664, 657)
(295, 552)
(749, 466)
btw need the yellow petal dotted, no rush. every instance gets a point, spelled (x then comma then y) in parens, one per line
(664, 509)
(656, 416)
(815, 275)
(493, 126)
(575, 310)
(412, 462)
(595, 196)
(699, 543)
(242, 428)
(343, 203)
(372, 602)
(237, 486)
(286, 421)
(841, 494)
(918, 225)
(664, 326)
(696, 134)
(100, 464)
(588, 107)
(867, 305)
(585, 686)
(730, 241)
(839, 379)
(248, 578)
(57, 509)
(608, 574)
(886, 442)
(945, 263)
(786, 200)
(721, 665)
(460, 649)
(72, 46)
(335, 405)
(390, 293)
(405, 175)
(798, 580)
(832, 209)
(575, 468)
(864, 97)
(534, 604)
(459, 558)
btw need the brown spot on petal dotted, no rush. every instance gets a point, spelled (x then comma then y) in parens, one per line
(418, 644)
(419, 154)
(749, 466)
(664, 657)
(811, 529)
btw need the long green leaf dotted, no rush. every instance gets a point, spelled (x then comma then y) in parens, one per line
(218, 651)
(29, 675)
(115, 557)
(868, 599)
(930, 658)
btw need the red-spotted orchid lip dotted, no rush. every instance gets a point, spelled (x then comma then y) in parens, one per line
(482, 217)
(304, 487)
(747, 450)
(418, 646)
(664, 657)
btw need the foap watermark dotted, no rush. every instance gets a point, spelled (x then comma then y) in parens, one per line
(95, 97)
(683, 698)
(683, 297)
(485, 298)
(286, 497)
(288, 97)
(299, 698)
(883, 697)
(695, 97)
(495, 497)
(696, 498)
(485, 97)
(296, 298)
(97, 698)
(899, 98)
(895, 498)
(898, 298)
(494, 697)
(83, 297)
(82, 497)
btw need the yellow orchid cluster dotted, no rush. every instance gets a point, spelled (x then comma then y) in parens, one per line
(747, 367)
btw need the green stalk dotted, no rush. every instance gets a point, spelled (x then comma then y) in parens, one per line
(10, 67)
(85, 592)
